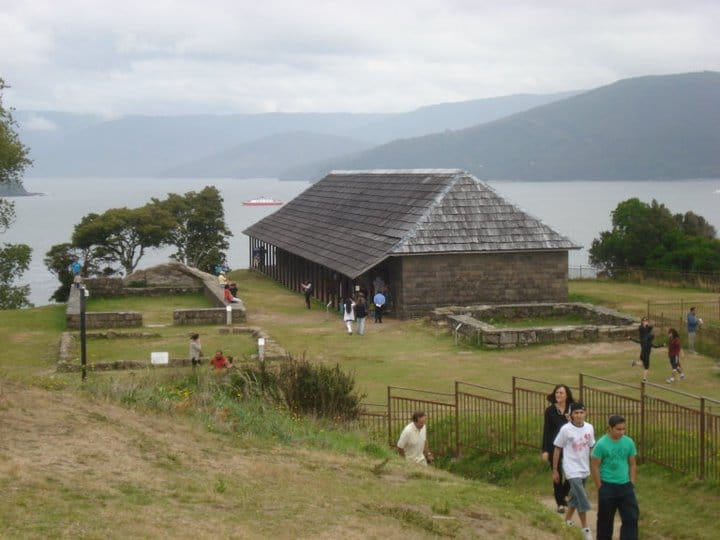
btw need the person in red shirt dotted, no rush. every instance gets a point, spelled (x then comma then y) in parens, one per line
(674, 356)
(219, 361)
(229, 298)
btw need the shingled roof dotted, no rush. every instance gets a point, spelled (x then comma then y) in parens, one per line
(352, 220)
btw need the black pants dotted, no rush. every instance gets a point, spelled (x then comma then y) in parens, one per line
(613, 497)
(378, 313)
(562, 488)
(307, 300)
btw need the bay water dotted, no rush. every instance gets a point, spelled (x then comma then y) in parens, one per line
(579, 210)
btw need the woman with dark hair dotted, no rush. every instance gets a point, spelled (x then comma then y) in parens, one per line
(556, 416)
(349, 314)
(676, 372)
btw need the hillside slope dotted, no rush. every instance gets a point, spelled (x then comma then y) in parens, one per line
(74, 468)
(659, 127)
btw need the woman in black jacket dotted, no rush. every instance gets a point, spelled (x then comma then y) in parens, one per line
(557, 415)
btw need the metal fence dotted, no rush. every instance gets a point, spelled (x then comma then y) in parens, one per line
(674, 429)
(673, 314)
(703, 280)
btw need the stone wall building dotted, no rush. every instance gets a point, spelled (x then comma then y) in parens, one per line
(435, 237)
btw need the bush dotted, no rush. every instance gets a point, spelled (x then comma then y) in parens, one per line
(303, 387)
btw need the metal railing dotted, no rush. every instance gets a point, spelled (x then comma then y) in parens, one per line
(674, 429)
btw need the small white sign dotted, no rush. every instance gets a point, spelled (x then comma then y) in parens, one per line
(261, 342)
(159, 358)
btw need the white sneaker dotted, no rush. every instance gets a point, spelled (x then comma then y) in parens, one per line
(670, 380)
(587, 534)
(682, 375)
(569, 523)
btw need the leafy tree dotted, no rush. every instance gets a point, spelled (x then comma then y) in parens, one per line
(122, 235)
(14, 258)
(200, 233)
(57, 260)
(650, 236)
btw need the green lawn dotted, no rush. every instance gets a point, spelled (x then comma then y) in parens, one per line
(400, 353)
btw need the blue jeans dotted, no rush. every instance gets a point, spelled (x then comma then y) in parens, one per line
(361, 325)
(613, 497)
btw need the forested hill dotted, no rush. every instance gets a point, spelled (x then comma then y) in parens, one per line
(655, 127)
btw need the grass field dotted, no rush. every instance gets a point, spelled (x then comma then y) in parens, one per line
(270, 475)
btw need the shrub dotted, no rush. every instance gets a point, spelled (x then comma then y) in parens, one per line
(319, 390)
(302, 387)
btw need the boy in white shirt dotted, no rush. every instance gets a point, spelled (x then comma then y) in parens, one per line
(574, 441)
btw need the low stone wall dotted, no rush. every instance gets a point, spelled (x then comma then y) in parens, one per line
(184, 279)
(68, 361)
(273, 351)
(465, 323)
(200, 316)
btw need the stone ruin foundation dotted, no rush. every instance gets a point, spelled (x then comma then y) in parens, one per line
(470, 324)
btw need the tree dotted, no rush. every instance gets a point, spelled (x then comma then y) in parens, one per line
(57, 260)
(650, 236)
(200, 233)
(14, 258)
(122, 235)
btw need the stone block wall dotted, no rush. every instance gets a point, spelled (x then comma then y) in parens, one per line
(202, 316)
(105, 319)
(470, 324)
(431, 281)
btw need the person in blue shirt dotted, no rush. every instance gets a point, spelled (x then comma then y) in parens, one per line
(379, 301)
(693, 323)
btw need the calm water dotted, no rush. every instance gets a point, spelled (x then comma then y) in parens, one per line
(579, 210)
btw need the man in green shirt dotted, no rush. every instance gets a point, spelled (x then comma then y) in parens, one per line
(614, 471)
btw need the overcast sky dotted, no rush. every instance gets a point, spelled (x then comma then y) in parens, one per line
(225, 56)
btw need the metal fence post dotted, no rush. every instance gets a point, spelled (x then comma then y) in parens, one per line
(389, 413)
(641, 442)
(703, 447)
(580, 388)
(457, 420)
(514, 416)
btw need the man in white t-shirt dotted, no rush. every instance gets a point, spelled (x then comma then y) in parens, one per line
(412, 444)
(574, 441)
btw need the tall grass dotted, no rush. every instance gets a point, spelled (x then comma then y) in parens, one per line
(248, 403)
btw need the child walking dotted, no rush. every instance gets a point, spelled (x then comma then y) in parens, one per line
(574, 441)
(676, 371)
(614, 472)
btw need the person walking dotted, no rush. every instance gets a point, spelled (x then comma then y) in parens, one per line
(379, 301)
(349, 314)
(676, 372)
(574, 441)
(361, 314)
(614, 471)
(195, 350)
(556, 416)
(413, 444)
(693, 323)
(645, 339)
(307, 290)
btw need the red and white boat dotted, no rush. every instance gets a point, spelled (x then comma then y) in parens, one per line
(262, 201)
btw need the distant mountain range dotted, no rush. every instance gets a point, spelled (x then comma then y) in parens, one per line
(662, 127)
(655, 127)
(63, 144)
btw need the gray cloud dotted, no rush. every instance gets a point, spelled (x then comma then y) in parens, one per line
(225, 56)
